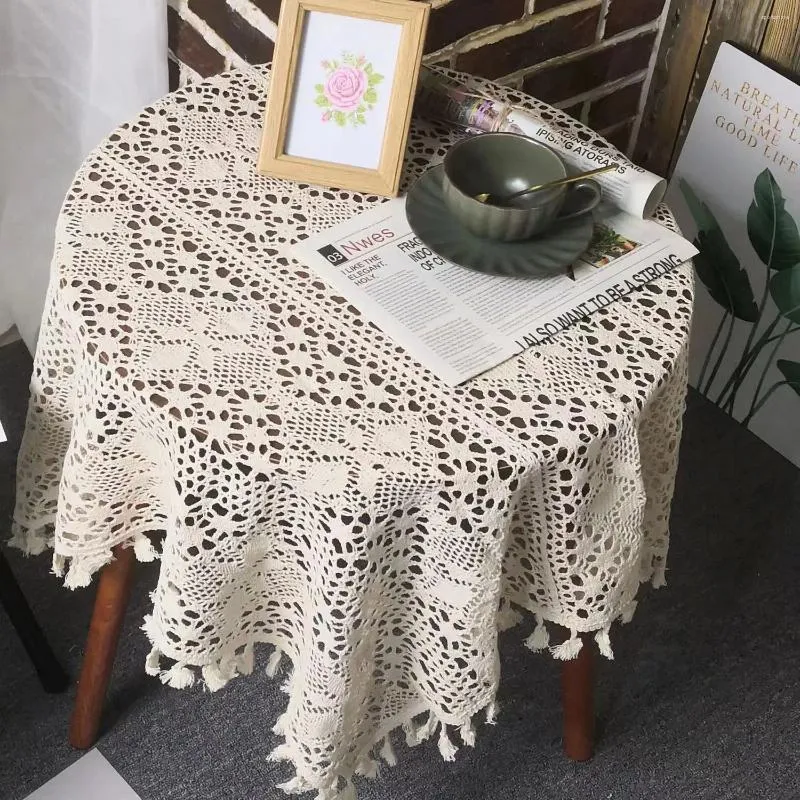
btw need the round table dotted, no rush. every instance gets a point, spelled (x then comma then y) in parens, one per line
(319, 489)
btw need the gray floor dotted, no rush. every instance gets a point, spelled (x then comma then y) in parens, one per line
(703, 700)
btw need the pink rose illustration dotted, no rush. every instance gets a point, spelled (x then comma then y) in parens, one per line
(345, 87)
(348, 91)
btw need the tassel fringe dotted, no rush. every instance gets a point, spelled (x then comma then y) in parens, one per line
(630, 610)
(492, 710)
(78, 575)
(604, 643)
(245, 661)
(507, 616)
(568, 650)
(446, 746)
(367, 766)
(387, 753)
(214, 677)
(296, 785)
(179, 676)
(411, 733)
(152, 664)
(426, 729)
(59, 565)
(281, 753)
(467, 733)
(274, 662)
(540, 638)
(143, 548)
(281, 723)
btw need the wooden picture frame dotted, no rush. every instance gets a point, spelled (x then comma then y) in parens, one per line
(329, 94)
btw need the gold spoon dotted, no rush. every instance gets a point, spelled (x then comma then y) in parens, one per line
(484, 197)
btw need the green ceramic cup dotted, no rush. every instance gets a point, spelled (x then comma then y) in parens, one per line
(504, 163)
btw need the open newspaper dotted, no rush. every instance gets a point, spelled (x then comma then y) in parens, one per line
(458, 322)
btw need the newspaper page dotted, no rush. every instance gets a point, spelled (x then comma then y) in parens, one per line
(629, 187)
(459, 322)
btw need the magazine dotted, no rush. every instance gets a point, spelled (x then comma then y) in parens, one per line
(458, 322)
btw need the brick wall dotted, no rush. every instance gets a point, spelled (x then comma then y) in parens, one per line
(592, 58)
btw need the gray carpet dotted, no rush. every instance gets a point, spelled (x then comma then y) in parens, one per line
(702, 701)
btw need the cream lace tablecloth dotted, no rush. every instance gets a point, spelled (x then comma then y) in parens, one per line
(320, 490)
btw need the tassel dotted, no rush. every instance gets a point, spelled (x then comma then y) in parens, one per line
(296, 785)
(274, 662)
(152, 664)
(411, 734)
(283, 752)
(568, 650)
(279, 727)
(467, 733)
(59, 565)
(367, 766)
(348, 793)
(286, 686)
(244, 663)
(387, 753)
(214, 678)
(630, 610)
(446, 747)
(425, 731)
(659, 577)
(492, 710)
(150, 628)
(604, 643)
(507, 616)
(540, 638)
(78, 575)
(179, 676)
(143, 548)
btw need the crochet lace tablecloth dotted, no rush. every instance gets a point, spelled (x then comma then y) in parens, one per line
(320, 490)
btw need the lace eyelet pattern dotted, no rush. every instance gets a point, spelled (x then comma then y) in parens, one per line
(320, 491)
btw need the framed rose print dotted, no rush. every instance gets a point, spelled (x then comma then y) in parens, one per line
(343, 81)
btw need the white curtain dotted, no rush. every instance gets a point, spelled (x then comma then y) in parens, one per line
(70, 71)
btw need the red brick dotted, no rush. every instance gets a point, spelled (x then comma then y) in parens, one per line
(626, 14)
(247, 41)
(174, 73)
(272, 8)
(189, 47)
(585, 72)
(546, 5)
(612, 108)
(458, 18)
(554, 38)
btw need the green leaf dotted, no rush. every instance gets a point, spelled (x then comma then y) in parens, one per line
(368, 70)
(319, 88)
(374, 77)
(785, 290)
(772, 230)
(321, 100)
(702, 215)
(370, 96)
(791, 371)
(362, 120)
(721, 273)
(339, 118)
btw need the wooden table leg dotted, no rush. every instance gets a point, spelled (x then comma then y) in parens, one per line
(113, 591)
(51, 674)
(577, 699)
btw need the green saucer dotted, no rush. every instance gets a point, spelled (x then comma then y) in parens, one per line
(550, 253)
